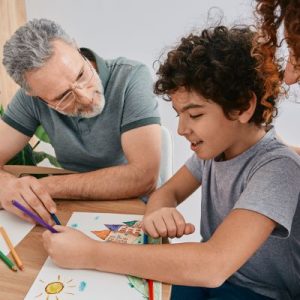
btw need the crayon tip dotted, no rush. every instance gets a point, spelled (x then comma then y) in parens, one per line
(14, 268)
(21, 268)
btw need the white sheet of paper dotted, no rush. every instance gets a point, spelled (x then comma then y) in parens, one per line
(54, 283)
(15, 228)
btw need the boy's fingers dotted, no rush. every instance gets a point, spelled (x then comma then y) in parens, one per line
(170, 225)
(161, 227)
(189, 228)
(180, 223)
(151, 230)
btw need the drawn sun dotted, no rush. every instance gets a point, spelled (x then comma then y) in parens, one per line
(55, 288)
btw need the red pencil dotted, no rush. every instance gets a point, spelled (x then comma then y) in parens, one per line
(150, 282)
(150, 289)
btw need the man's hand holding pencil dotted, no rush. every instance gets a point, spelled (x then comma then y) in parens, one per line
(30, 193)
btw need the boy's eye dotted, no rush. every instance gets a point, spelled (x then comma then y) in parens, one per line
(196, 116)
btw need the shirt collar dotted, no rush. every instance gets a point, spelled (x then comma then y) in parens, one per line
(102, 69)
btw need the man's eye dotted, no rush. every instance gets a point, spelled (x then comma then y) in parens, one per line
(196, 116)
(80, 75)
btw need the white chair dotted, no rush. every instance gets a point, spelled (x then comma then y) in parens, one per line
(166, 163)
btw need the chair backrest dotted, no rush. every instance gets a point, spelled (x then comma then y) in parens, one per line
(166, 163)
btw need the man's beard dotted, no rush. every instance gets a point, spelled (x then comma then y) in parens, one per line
(96, 109)
(82, 112)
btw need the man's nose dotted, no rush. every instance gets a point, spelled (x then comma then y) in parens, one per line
(83, 96)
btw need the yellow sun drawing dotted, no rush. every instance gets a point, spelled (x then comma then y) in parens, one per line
(55, 288)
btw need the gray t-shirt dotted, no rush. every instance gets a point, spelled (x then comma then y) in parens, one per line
(86, 144)
(264, 179)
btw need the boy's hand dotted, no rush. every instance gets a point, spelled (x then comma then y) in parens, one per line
(70, 248)
(166, 222)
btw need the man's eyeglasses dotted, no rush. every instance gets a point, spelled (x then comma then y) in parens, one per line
(82, 82)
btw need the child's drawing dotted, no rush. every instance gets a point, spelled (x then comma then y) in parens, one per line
(89, 284)
(129, 232)
(56, 289)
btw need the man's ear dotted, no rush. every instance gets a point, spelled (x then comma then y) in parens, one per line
(246, 115)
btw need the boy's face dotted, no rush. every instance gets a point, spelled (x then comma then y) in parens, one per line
(205, 126)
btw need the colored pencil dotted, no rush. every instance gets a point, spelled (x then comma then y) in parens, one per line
(12, 249)
(33, 216)
(7, 261)
(150, 282)
(151, 289)
(55, 218)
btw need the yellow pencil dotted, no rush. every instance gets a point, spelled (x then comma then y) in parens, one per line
(12, 249)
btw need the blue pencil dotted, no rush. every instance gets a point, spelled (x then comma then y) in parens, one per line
(55, 218)
(145, 239)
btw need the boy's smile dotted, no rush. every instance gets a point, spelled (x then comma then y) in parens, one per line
(203, 123)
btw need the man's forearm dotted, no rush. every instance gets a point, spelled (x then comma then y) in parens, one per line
(119, 182)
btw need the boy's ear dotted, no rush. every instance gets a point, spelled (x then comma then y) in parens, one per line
(246, 115)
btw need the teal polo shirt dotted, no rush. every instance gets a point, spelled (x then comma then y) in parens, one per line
(86, 144)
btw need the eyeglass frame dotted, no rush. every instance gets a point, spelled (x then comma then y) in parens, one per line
(76, 86)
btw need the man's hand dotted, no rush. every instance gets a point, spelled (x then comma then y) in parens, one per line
(166, 222)
(70, 248)
(30, 193)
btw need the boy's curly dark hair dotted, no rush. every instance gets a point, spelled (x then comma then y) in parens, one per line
(218, 65)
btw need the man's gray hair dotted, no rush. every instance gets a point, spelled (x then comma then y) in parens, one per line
(30, 47)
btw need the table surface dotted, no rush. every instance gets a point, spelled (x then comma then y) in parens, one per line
(15, 285)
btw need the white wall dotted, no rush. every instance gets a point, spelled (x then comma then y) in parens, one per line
(141, 30)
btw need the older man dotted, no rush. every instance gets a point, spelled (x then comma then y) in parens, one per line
(101, 117)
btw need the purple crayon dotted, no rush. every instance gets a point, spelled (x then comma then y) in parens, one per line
(33, 216)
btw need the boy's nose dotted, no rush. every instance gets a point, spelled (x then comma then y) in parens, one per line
(182, 127)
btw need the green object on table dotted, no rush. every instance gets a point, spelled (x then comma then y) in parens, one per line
(7, 261)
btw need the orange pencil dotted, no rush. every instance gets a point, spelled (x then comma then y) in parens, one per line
(12, 249)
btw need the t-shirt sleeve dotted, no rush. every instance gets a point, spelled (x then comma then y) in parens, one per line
(195, 166)
(20, 114)
(140, 103)
(274, 193)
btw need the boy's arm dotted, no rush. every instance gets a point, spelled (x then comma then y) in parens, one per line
(161, 217)
(195, 264)
(206, 264)
(180, 186)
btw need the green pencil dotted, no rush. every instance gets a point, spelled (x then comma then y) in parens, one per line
(7, 261)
